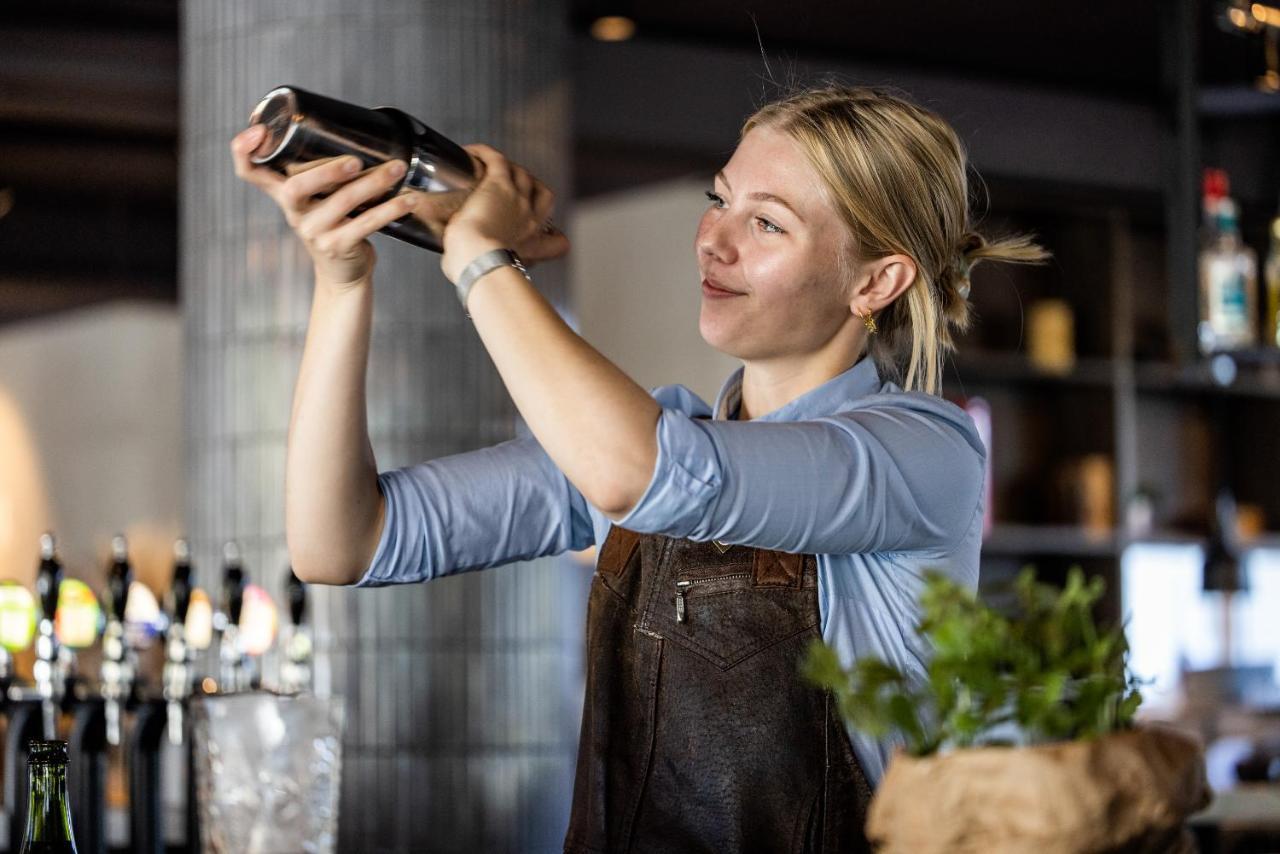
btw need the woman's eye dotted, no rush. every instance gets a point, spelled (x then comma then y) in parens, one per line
(769, 227)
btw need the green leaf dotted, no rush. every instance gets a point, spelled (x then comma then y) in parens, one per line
(1045, 668)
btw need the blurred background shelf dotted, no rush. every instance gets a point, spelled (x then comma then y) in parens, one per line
(1016, 540)
(986, 367)
(1249, 374)
(1012, 540)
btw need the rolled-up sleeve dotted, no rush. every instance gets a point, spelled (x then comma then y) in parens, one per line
(475, 510)
(884, 476)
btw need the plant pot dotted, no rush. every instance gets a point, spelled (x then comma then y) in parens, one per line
(1128, 791)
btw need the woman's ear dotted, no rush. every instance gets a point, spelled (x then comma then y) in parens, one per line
(883, 281)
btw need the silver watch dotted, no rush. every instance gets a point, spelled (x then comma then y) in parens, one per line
(486, 263)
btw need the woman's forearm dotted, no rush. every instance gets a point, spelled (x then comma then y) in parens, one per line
(594, 421)
(333, 509)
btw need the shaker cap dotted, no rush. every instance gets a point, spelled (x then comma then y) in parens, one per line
(279, 112)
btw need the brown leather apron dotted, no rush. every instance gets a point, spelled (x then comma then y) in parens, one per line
(698, 733)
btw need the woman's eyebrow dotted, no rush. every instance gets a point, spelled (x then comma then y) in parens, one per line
(764, 197)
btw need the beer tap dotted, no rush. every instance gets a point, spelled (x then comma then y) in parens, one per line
(117, 664)
(18, 618)
(48, 669)
(295, 675)
(177, 671)
(31, 715)
(230, 653)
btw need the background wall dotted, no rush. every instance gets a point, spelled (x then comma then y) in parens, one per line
(635, 287)
(97, 393)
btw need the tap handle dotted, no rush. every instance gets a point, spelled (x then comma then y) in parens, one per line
(48, 577)
(119, 577)
(295, 591)
(233, 583)
(180, 591)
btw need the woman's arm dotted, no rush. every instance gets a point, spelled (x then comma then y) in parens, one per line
(593, 420)
(333, 509)
(474, 510)
(896, 472)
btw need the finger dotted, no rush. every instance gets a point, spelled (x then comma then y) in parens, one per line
(496, 166)
(523, 180)
(374, 183)
(544, 247)
(544, 202)
(342, 239)
(242, 146)
(300, 188)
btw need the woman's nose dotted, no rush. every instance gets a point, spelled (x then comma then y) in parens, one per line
(713, 242)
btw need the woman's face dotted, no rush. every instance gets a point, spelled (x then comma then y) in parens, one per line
(771, 236)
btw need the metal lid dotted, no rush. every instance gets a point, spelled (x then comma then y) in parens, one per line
(279, 111)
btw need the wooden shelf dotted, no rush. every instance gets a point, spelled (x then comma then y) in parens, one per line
(1269, 540)
(991, 368)
(1018, 540)
(1257, 375)
(1233, 101)
(1014, 540)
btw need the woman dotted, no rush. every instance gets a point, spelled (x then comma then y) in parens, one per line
(808, 502)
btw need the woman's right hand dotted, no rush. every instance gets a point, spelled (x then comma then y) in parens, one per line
(339, 246)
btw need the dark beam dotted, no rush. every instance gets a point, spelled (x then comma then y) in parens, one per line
(691, 99)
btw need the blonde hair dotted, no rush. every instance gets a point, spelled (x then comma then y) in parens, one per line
(897, 174)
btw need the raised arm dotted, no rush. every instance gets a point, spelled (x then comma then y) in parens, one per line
(333, 510)
(896, 472)
(474, 510)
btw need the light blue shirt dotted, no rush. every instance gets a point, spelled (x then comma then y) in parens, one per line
(880, 484)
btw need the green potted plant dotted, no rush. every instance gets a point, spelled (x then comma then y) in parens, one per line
(1021, 736)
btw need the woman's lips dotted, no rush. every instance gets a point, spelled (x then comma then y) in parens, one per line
(710, 290)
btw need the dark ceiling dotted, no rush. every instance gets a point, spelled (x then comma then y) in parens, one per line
(89, 105)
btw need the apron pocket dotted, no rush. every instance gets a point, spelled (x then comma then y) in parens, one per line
(727, 618)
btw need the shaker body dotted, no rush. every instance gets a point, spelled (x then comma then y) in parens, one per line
(305, 129)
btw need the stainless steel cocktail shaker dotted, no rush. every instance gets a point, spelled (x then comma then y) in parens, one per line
(305, 129)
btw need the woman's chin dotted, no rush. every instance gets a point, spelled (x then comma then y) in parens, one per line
(719, 337)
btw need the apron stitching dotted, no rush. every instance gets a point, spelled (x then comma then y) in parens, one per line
(657, 582)
(689, 642)
(651, 701)
(826, 767)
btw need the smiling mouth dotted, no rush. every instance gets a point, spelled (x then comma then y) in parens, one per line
(716, 290)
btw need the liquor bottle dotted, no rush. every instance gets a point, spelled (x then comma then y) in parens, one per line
(48, 813)
(1214, 186)
(1228, 273)
(1272, 324)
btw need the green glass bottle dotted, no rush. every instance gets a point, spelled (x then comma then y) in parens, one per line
(48, 813)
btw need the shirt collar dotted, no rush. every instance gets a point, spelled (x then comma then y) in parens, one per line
(859, 380)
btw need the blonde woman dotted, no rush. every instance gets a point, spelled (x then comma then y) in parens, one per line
(807, 501)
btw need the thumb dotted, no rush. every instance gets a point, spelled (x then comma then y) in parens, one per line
(545, 247)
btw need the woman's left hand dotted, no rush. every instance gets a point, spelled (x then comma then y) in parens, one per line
(509, 208)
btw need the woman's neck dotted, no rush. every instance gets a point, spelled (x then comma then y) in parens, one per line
(767, 386)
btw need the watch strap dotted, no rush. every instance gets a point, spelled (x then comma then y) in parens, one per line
(486, 262)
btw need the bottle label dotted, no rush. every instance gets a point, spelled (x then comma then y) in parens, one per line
(1228, 309)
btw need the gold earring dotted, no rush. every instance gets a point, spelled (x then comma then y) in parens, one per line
(869, 321)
